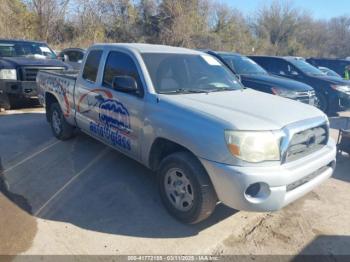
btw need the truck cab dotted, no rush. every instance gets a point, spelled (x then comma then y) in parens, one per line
(183, 114)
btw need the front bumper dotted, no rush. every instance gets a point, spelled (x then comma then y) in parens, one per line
(284, 183)
(23, 89)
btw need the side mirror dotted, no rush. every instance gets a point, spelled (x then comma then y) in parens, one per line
(126, 84)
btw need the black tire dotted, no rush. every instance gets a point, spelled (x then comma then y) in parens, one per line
(61, 129)
(322, 102)
(5, 102)
(202, 190)
(15, 102)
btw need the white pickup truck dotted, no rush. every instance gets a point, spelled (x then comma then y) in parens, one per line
(183, 114)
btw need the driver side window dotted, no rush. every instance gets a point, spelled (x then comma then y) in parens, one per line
(292, 71)
(120, 64)
(281, 67)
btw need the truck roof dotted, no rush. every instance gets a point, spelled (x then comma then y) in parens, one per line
(227, 53)
(288, 58)
(150, 48)
(21, 41)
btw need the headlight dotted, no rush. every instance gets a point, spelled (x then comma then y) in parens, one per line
(341, 88)
(284, 92)
(8, 74)
(254, 147)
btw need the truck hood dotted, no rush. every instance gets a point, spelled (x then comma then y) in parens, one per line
(331, 80)
(247, 109)
(275, 81)
(15, 62)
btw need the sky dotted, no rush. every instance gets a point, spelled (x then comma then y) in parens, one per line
(320, 9)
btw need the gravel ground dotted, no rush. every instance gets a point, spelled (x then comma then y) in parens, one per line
(79, 197)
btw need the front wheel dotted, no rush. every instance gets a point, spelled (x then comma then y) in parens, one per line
(185, 188)
(60, 127)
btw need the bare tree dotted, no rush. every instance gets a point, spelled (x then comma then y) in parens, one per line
(15, 20)
(231, 29)
(48, 14)
(278, 24)
(339, 36)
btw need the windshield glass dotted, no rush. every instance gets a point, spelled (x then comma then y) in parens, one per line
(329, 72)
(306, 67)
(25, 49)
(243, 65)
(175, 73)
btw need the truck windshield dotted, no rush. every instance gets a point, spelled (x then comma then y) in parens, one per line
(25, 49)
(188, 73)
(243, 65)
(306, 67)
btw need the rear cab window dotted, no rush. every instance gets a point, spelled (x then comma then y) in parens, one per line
(91, 65)
(75, 56)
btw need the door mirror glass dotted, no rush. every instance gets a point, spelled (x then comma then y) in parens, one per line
(125, 84)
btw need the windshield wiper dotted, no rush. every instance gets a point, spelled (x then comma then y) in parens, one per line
(224, 89)
(185, 91)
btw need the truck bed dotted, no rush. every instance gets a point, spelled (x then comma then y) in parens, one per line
(72, 74)
(60, 84)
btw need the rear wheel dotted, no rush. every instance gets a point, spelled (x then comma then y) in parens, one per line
(185, 188)
(60, 127)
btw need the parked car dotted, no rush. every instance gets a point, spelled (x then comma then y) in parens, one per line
(72, 56)
(254, 76)
(337, 65)
(329, 72)
(333, 94)
(183, 114)
(20, 62)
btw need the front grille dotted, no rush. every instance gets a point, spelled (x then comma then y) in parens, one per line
(306, 94)
(307, 142)
(30, 73)
(306, 97)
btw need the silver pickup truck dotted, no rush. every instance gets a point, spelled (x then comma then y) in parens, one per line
(182, 114)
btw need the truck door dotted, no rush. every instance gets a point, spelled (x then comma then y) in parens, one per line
(119, 115)
(86, 91)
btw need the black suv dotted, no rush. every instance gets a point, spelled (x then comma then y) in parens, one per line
(337, 65)
(20, 62)
(333, 94)
(254, 76)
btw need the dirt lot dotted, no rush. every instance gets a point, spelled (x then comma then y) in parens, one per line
(79, 197)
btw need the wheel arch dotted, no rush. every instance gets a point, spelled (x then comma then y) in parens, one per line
(161, 148)
(49, 100)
